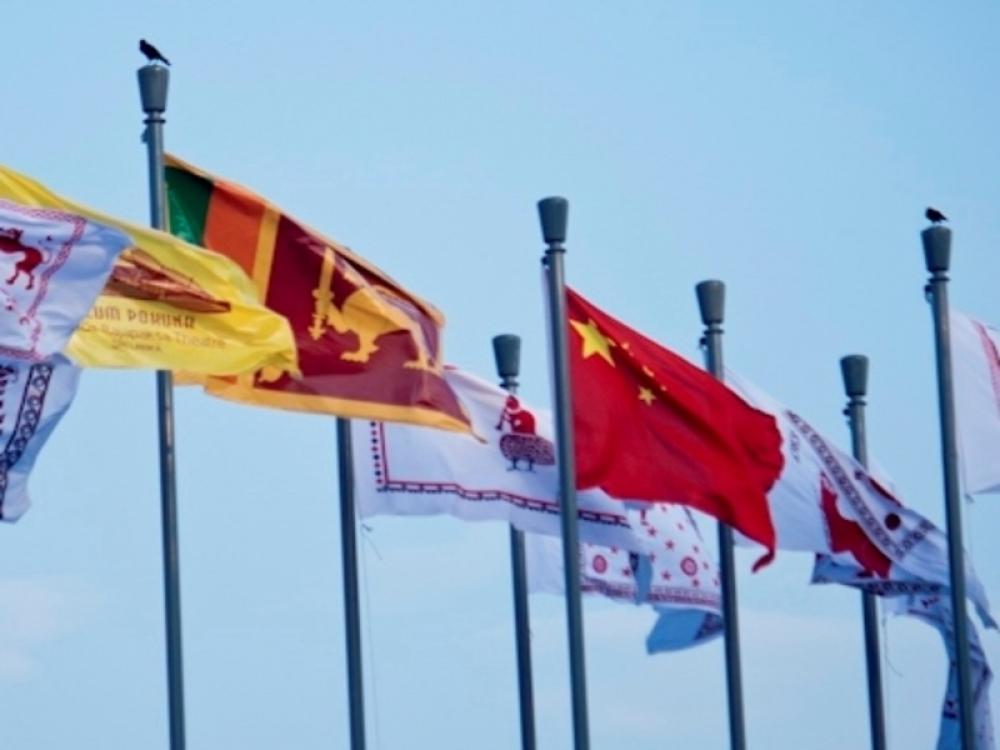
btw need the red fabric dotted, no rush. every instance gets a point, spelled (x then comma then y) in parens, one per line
(650, 426)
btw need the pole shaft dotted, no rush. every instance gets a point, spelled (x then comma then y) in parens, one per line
(522, 633)
(727, 579)
(567, 491)
(952, 499)
(349, 567)
(522, 624)
(869, 603)
(168, 467)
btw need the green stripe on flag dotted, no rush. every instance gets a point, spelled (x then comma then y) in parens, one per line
(188, 196)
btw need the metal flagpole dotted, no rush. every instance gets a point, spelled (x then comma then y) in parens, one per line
(937, 255)
(553, 214)
(153, 80)
(854, 368)
(507, 352)
(712, 303)
(349, 566)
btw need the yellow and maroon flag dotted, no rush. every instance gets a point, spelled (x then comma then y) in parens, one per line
(168, 305)
(367, 347)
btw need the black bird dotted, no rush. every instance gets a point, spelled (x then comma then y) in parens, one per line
(934, 216)
(152, 54)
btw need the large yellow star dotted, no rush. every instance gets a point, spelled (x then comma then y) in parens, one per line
(646, 396)
(594, 342)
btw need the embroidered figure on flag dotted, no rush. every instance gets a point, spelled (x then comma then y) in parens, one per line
(58, 263)
(521, 443)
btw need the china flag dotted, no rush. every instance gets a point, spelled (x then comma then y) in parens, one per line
(651, 426)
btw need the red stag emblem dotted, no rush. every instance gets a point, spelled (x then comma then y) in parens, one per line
(10, 242)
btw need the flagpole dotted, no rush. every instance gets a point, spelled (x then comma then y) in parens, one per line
(712, 303)
(349, 568)
(937, 256)
(507, 353)
(854, 369)
(153, 80)
(553, 215)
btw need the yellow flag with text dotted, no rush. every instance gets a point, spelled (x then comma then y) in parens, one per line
(169, 305)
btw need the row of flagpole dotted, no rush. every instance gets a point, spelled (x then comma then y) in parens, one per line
(553, 213)
(711, 301)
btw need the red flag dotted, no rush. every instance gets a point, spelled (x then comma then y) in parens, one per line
(651, 426)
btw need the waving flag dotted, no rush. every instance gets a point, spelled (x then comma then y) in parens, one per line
(167, 305)
(649, 425)
(367, 347)
(675, 575)
(828, 503)
(33, 398)
(54, 266)
(976, 363)
(929, 602)
(511, 477)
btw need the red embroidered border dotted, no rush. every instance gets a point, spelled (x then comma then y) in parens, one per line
(385, 483)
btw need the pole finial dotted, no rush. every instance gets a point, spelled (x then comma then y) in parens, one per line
(553, 213)
(711, 301)
(507, 353)
(153, 80)
(854, 368)
(937, 248)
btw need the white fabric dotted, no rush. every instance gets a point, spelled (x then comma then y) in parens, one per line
(975, 348)
(825, 501)
(406, 470)
(33, 398)
(678, 579)
(931, 603)
(53, 265)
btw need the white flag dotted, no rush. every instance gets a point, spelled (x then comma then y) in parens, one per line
(405, 470)
(678, 579)
(976, 371)
(826, 502)
(53, 265)
(930, 602)
(33, 398)
(650, 553)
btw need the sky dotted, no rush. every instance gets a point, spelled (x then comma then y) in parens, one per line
(787, 148)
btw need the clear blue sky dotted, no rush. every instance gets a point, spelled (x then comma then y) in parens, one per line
(787, 148)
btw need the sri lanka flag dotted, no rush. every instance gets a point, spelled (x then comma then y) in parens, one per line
(367, 347)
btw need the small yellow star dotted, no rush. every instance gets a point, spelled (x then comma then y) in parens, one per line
(626, 346)
(646, 396)
(647, 371)
(594, 342)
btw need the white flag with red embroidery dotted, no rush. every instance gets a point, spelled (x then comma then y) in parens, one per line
(976, 369)
(826, 502)
(931, 603)
(33, 398)
(678, 578)
(511, 477)
(53, 265)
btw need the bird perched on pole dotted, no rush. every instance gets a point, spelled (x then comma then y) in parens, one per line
(934, 216)
(152, 54)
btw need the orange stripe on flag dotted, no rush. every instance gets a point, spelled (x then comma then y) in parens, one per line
(233, 224)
